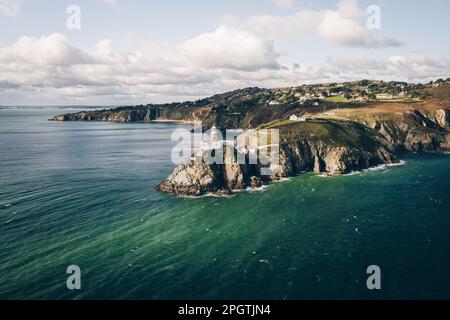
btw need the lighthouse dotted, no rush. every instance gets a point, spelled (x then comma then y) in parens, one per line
(213, 139)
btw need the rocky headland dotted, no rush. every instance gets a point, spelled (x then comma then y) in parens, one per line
(336, 138)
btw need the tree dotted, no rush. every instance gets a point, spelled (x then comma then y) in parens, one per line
(364, 83)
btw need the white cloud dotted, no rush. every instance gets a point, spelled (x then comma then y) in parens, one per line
(212, 62)
(10, 7)
(49, 69)
(229, 48)
(410, 67)
(341, 30)
(58, 72)
(349, 9)
(47, 50)
(285, 3)
(344, 26)
(288, 28)
(110, 2)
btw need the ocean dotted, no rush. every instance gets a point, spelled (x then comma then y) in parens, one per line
(82, 193)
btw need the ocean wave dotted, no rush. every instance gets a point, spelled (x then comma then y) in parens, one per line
(283, 179)
(323, 175)
(207, 195)
(211, 194)
(249, 189)
(376, 168)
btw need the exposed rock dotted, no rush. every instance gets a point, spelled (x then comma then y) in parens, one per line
(417, 131)
(234, 176)
(191, 180)
(233, 172)
(294, 158)
(255, 182)
(224, 192)
(421, 141)
(336, 148)
(443, 118)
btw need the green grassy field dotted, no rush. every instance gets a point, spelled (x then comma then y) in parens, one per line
(335, 132)
(337, 99)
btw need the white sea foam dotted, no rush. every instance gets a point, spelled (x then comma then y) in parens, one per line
(283, 179)
(248, 189)
(324, 175)
(377, 168)
(207, 195)
(262, 188)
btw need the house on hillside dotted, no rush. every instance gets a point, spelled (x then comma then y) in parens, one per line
(384, 96)
(296, 118)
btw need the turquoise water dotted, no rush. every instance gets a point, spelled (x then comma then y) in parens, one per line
(82, 193)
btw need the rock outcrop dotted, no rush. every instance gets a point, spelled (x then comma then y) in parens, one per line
(369, 146)
(416, 131)
(327, 145)
(190, 179)
(443, 118)
(195, 179)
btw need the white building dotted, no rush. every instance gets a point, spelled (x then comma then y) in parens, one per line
(384, 96)
(214, 141)
(295, 118)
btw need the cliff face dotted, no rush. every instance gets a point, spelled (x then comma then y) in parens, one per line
(442, 118)
(416, 131)
(326, 145)
(112, 115)
(306, 154)
(191, 179)
(218, 110)
(329, 147)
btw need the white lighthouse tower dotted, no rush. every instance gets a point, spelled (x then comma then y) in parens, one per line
(211, 143)
(213, 139)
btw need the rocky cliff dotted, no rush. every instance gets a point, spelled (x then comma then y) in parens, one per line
(298, 152)
(343, 137)
(416, 130)
(321, 146)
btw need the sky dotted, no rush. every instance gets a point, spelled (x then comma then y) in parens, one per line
(119, 52)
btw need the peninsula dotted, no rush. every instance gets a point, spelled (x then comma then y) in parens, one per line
(330, 129)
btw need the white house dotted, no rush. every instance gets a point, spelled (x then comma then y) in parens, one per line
(384, 96)
(295, 118)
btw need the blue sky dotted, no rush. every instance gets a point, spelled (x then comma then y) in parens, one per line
(141, 51)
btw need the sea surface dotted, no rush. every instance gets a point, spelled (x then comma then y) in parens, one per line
(82, 193)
